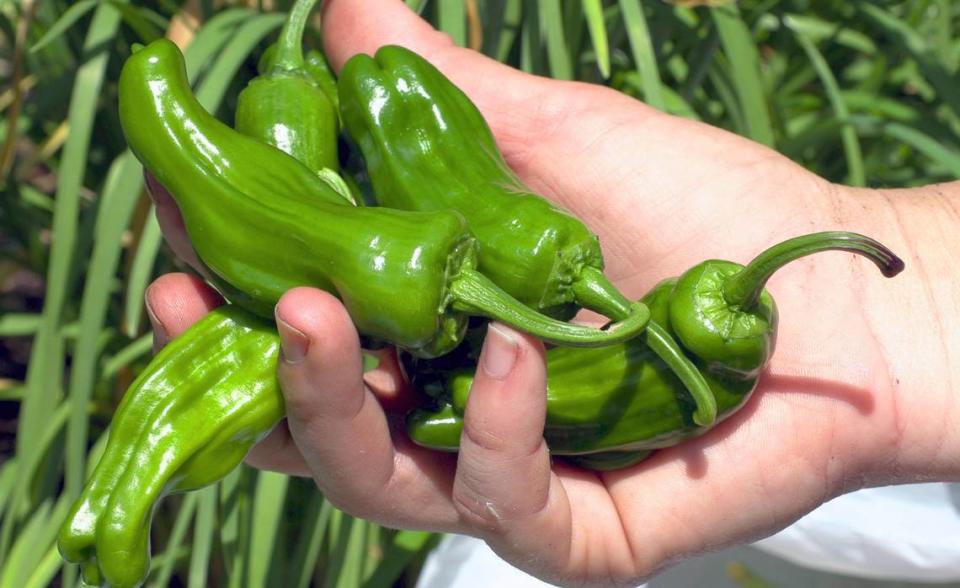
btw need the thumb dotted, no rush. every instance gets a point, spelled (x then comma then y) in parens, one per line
(502, 93)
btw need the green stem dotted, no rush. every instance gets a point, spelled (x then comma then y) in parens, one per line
(593, 290)
(667, 349)
(474, 293)
(743, 288)
(290, 46)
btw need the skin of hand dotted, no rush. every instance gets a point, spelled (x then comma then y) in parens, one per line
(861, 391)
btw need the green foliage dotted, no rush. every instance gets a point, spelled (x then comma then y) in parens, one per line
(865, 93)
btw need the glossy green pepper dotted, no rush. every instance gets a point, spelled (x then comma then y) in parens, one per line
(610, 407)
(186, 422)
(263, 223)
(284, 107)
(427, 147)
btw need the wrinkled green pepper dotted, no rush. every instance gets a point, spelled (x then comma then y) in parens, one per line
(610, 407)
(186, 422)
(284, 107)
(427, 147)
(262, 223)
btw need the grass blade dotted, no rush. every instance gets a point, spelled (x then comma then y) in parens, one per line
(913, 43)
(46, 359)
(179, 532)
(351, 570)
(593, 12)
(211, 91)
(558, 54)
(405, 546)
(744, 63)
(120, 193)
(308, 552)
(69, 17)
(644, 57)
(268, 505)
(133, 351)
(452, 20)
(935, 150)
(203, 531)
(19, 324)
(856, 176)
(141, 271)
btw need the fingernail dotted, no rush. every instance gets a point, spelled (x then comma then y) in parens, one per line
(293, 342)
(499, 352)
(158, 326)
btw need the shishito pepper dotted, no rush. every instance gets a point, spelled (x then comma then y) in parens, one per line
(263, 223)
(187, 421)
(610, 407)
(284, 107)
(427, 147)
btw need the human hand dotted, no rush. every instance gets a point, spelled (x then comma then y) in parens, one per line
(662, 193)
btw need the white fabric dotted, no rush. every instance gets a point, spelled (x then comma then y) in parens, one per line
(906, 533)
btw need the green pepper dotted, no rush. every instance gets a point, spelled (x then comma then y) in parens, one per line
(284, 107)
(263, 223)
(427, 147)
(188, 420)
(610, 407)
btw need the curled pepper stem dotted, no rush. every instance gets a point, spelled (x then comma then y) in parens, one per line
(743, 288)
(474, 293)
(593, 290)
(290, 46)
(668, 350)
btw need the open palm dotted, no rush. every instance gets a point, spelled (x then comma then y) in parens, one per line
(663, 194)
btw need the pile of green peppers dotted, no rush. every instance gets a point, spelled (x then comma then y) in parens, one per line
(453, 239)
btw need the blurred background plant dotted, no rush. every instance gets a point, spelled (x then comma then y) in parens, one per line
(864, 93)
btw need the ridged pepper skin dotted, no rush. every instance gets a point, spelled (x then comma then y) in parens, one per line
(263, 223)
(186, 422)
(285, 108)
(610, 407)
(427, 147)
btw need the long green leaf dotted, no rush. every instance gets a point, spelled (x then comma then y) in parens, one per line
(351, 571)
(181, 525)
(17, 325)
(120, 193)
(452, 19)
(643, 54)
(405, 546)
(744, 60)
(204, 530)
(558, 54)
(32, 545)
(848, 133)
(936, 72)
(593, 12)
(307, 553)
(46, 360)
(267, 515)
(70, 16)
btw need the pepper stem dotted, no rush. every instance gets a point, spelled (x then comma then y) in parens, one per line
(290, 46)
(667, 349)
(744, 287)
(475, 294)
(593, 290)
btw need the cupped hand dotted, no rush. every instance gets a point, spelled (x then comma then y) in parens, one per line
(662, 193)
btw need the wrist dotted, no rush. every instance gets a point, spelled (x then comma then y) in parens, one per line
(914, 321)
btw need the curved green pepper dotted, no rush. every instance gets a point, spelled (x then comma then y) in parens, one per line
(263, 223)
(284, 107)
(186, 422)
(610, 407)
(427, 147)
